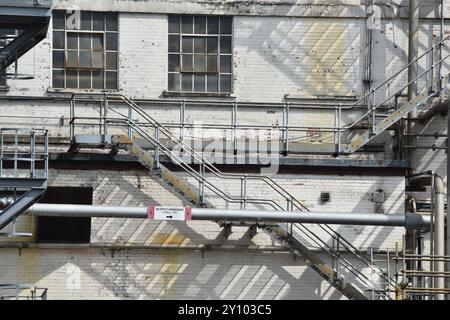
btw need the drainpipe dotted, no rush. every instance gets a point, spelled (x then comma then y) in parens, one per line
(413, 49)
(439, 234)
(437, 183)
(413, 37)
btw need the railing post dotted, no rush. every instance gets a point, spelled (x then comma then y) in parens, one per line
(130, 120)
(46, 156)
(32, 154)
(72, 118)
(234, 125)
(432, 88)
(182, 118)
(105, 117)
(372, 129)
(1, 153)
(157, 147)
(285, 128)
(244, 196)
(201, 189)
(16, 146)
(339, 119)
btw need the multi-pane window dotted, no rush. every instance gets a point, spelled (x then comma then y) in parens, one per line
(85, 50)
(200, 54)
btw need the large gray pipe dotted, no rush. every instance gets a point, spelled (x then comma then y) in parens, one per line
(400, 220)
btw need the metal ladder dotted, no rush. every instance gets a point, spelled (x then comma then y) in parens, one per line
(23, 172)
(297, 237)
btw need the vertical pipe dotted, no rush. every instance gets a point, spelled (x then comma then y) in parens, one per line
(413, 49)
(439, 234)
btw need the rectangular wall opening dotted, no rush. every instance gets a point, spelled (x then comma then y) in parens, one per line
(62, 229)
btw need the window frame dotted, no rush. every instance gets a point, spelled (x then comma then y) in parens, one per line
(104, 70)
(219, 54)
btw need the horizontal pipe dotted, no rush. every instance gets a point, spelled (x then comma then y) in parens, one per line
(400, 220)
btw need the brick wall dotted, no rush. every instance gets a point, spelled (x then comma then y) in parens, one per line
(96, 273)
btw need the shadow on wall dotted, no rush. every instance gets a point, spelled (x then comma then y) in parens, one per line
(88, 273)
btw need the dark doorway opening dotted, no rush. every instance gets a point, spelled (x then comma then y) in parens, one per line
(62, 229)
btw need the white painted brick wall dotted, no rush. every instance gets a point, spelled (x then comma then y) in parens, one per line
(90, 273)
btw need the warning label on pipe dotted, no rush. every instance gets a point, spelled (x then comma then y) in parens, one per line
(169, 213)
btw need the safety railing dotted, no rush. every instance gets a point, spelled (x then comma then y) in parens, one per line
(23, 153)
(22, 292)
(141, 127)
(386, 94)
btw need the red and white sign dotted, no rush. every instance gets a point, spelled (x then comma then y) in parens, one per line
(169, 213)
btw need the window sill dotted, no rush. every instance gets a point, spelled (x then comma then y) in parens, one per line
(99, 91)
(172, 94)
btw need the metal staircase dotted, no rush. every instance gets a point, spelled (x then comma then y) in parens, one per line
(23, 172)
(383, 107)
(23, 24)
(303, 240)
(336, 257)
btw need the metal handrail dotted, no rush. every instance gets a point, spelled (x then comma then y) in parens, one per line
(403, 69)
(292, 201)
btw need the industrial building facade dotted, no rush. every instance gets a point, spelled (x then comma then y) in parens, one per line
(266, 88)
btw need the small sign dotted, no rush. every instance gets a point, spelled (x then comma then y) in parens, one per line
(169, 213)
